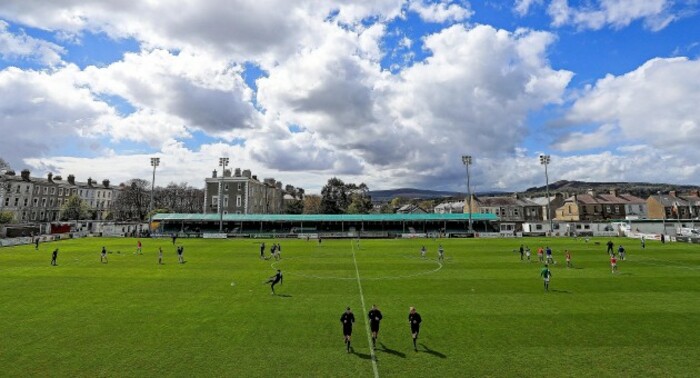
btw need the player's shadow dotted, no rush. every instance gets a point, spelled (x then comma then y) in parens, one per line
(560, 291)
(361, 355)
(432, 352)
(391, 351)
(284, 295)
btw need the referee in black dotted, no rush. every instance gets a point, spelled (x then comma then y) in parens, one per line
(414, 320)
(375, 316)
(347, 319)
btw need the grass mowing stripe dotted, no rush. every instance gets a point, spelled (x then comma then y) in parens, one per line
(373, 357)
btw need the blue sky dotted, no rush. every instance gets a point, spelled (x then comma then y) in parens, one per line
(387, 92)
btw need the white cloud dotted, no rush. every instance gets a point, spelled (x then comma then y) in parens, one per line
(656, 14)
(522, 7)
(242, 30)
(45, 111)
(184, 90)
(441, 11)
(577, 141)
(22, 46)
(656, 104)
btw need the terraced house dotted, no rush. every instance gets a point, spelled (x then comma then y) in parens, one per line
(36, 199)
(594, 206)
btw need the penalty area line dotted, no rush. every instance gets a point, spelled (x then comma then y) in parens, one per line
(364, 311)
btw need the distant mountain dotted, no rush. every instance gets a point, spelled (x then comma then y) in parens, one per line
(639, 189)
(412, 193)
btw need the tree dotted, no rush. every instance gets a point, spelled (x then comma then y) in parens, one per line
(338, 197)
(6, 217)
(294, 207)
(132, 200)
(398, 202)
(312, 204)
(74, 208)
(334, 198)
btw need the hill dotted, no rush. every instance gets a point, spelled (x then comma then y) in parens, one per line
(640, 189)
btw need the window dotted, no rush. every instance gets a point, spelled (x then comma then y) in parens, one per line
(238, 201)
(33, 215)
(16, 201)
(51, 203)
(239, 186)
(46, 190)
(53, 190)
(641, 207)
(60, 202)
(60, 191)
(81, 192)
(26, 189)
(26, 202)
(607, 209)
(18, 187)
(225, 201)
(7, 201)
(226, 187)
(36, 202)
(43, 204)
(538, 227)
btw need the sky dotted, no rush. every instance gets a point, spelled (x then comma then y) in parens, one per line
(387, 92)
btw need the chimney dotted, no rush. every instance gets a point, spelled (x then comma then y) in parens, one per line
(591, 192)
(615, 192)
(279, 185)
(227, 173)
(89, 182)
(516, 195)
(25, 174)
(237, 172)
(213, 174)
(57, 178)
(247, 173)
(672, 193)
(105, 183)
(50, 177)
(10, 173)
(71, 179)
(254, 177)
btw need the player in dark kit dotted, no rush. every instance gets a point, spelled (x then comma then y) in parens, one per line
(36, 244)
(414, 320)
(262, 250)
(610, 247)
(274, 280)
(103, 256)
(54, 256)
(347, 319)
(375, 316)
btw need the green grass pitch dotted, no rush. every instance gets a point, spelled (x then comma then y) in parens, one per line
(485, 312)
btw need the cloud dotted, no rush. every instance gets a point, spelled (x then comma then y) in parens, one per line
(656, 104)
(243, 30)
(175, 93)
(522, 7)
(441, 11)
(656, 14)
(45, 111)
(15, 46)
(577, 141)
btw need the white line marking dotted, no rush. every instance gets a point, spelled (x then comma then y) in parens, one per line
(364, 311)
